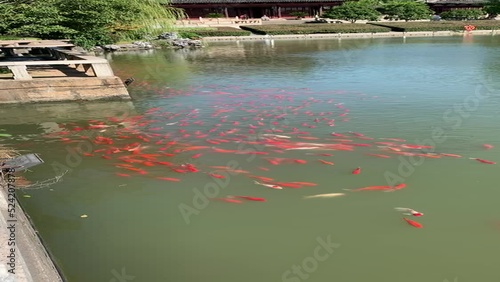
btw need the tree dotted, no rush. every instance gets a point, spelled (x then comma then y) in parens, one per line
(463, 14)
(406, 10)
(87, 22)
(492, 7)
(353, 11)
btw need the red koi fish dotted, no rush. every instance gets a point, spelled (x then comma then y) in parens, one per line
(397, 187)
(196, 156)
(251, 198)
(413, 223)
(326, 162)
(409, 211)
(214, 175)
(356, 171)
(229, 200)
(483, 161)
(123, 174)
(487, 146)
(169, 179)
(300, 161)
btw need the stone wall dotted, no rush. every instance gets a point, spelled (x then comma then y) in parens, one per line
(62, 89)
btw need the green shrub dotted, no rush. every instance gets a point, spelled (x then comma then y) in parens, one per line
(194, 33)
(463, 14)
(214, 15)
(298, 14)
(440, 26)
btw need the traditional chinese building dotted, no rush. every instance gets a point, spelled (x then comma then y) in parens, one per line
(254, 8)
(284, 8)
(440, 6)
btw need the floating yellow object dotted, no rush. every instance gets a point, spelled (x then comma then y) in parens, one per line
(84, 216)
(27, 196)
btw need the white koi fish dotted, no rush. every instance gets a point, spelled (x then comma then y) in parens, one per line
(408, 211)
(276, 135)
(268, 185)
(330, 195)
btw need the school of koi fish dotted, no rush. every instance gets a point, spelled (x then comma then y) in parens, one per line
(271, 126)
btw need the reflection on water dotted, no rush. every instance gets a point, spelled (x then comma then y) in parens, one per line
(221, 98)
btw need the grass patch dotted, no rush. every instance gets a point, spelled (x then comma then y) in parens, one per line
(314, 29)
(439, 26)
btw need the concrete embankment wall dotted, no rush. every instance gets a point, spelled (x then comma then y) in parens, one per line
(62, 89)
(23, 258)
(350, 35)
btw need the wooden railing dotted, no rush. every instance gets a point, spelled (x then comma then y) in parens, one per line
(81, 63)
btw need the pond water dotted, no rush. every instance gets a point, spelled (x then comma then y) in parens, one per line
(159, 177)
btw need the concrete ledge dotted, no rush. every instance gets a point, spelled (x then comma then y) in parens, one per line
(62, 89)
(348, 35)
(33, 263)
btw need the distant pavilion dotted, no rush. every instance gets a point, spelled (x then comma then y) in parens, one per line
(283, 8)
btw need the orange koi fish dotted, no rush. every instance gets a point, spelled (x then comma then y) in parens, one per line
(356, 170)
(169, 179)
(483, 161)
(123, 174)
(196, 156)
(326, 162)
(371, 188)
(379, 156)
(214, 175)
(262, 178)
(305, 183)
(413, 223)
(229, 200)
(450, 155)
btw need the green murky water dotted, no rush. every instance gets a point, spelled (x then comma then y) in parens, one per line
(440, 92)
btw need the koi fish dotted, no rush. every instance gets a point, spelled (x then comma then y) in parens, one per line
(217, 175)
(409, 211)
(268, 185)
(229, 200)
(379, 156)
(371, 188)
(123, 174)
(487, 146)
(356, 171)
(326, 162)
(450, 155)
(413, 223)
(196, 156)
(169, 179)
(330, 195)
(483, 161)
(397, 187)
(251, 198)
(305, 183)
